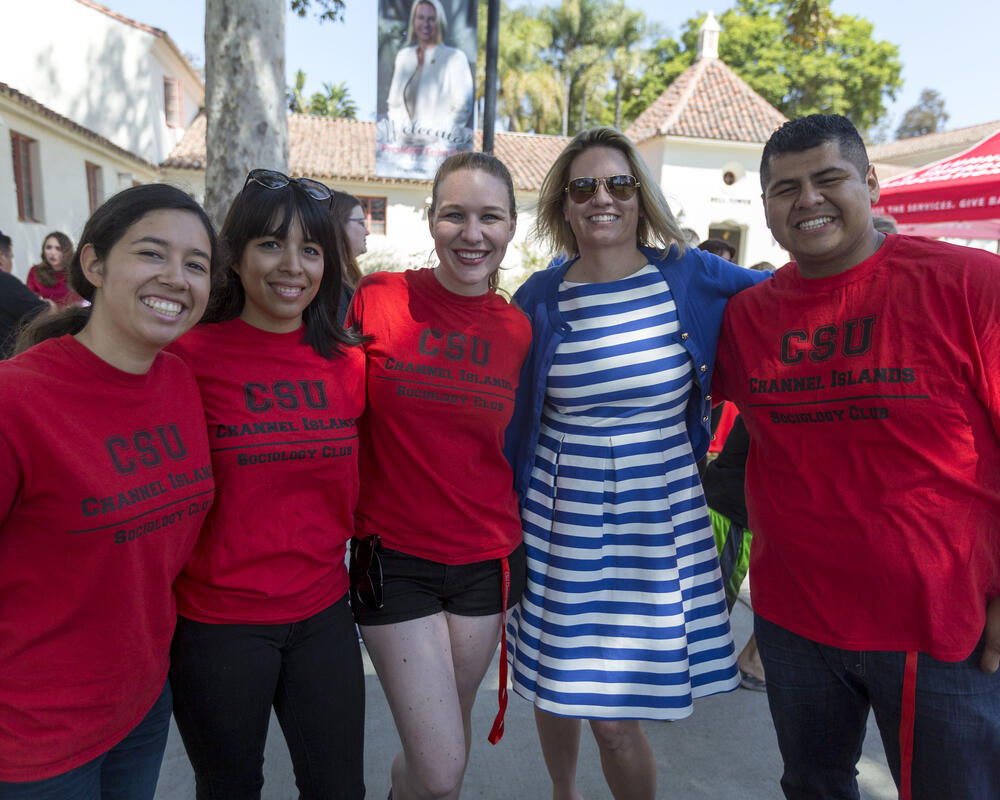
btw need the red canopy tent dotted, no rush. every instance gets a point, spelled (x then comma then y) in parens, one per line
(957, 196)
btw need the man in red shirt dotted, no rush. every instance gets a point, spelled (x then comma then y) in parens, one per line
(868, 374)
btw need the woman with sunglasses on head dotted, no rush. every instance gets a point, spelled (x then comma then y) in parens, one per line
(264, 619)
(350, 217)
(438, 557)
(624, 615)
(105, 479)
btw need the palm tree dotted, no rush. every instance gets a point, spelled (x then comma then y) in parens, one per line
(334, 101)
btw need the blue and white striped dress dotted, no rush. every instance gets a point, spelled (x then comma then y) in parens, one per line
(624, 614)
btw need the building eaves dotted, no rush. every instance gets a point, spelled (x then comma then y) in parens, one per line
(35, 107)
(958, 138)
(159, 33)
(344, 150)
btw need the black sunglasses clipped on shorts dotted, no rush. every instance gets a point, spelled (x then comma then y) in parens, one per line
(620, 187)
(272, 179)
(366, 571)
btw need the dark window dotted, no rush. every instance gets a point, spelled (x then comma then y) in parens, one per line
(173, 102)
(374, 208)
(94, 188)
(25, 152)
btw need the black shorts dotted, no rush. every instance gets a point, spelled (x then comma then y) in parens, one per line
(414, 587)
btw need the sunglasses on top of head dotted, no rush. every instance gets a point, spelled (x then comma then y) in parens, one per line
(620, 187)
(272, 179)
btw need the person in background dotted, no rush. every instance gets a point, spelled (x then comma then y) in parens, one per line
(105, 478)
(719, 247)
(264, 617)
(866, 372)
(18, 304)
(884, 224)
(438, 555)
(47, 278)
(352, 224)
(723, 480)
(611, 417)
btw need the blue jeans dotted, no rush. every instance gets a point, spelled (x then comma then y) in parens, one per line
(820, 697)
(226, 678)
(128, 771)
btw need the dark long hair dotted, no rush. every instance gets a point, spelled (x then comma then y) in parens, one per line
(44, 271)
(260, 211)
(103, 230)
(341, 207)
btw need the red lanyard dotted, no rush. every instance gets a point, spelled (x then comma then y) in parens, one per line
(496, 732)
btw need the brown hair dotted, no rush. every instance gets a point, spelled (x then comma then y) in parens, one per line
(341, 206)
(43, 269)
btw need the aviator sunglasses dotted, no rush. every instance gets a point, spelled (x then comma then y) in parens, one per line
(366, 571)
(620, 187)
(272, 179)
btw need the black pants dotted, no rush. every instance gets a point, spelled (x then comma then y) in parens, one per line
(225, 680)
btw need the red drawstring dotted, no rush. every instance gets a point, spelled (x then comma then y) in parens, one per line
(496, 732)
(906, 716)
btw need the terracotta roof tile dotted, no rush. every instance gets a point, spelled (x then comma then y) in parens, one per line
(44, 111)
(708, 101)
(958, 138)
(342, 149)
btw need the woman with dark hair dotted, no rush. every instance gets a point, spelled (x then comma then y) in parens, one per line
(48, 278)
(353, 227)
(105, 478)
(264, 620)
(624, 615)
(438, 558)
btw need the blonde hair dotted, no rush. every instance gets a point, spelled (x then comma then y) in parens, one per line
(440, 25)
(657, 226)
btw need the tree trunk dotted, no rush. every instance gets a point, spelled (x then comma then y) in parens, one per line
(244, 95)
(567, 86)
(618, 102)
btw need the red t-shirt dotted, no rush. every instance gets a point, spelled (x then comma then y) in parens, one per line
(105, 479)
(442, 372)
(282, 424)
(872, 398)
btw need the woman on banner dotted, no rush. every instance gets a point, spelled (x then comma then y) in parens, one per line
(431, 90)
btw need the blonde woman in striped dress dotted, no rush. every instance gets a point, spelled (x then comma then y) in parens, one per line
(624, 616)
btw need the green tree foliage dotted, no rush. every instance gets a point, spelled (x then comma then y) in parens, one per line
(927, 116)
(528, 94)
(839, 67)
(334, 101)
(326, 11)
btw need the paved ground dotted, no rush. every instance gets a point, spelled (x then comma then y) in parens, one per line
(725, 751)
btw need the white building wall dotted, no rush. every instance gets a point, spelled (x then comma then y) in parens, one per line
(99, 72)
(62, 175)
(691, 171)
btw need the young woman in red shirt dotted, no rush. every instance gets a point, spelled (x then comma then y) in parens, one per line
(105, 478)
(263, 601)
(438, 556)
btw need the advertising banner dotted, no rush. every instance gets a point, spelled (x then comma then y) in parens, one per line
(426, 69)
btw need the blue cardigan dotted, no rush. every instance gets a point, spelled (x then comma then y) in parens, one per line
(700, 283)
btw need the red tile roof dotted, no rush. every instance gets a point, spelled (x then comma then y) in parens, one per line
(44, 111)
(342, 149)
(708, 101)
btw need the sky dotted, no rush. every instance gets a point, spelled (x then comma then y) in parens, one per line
(950, 47)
